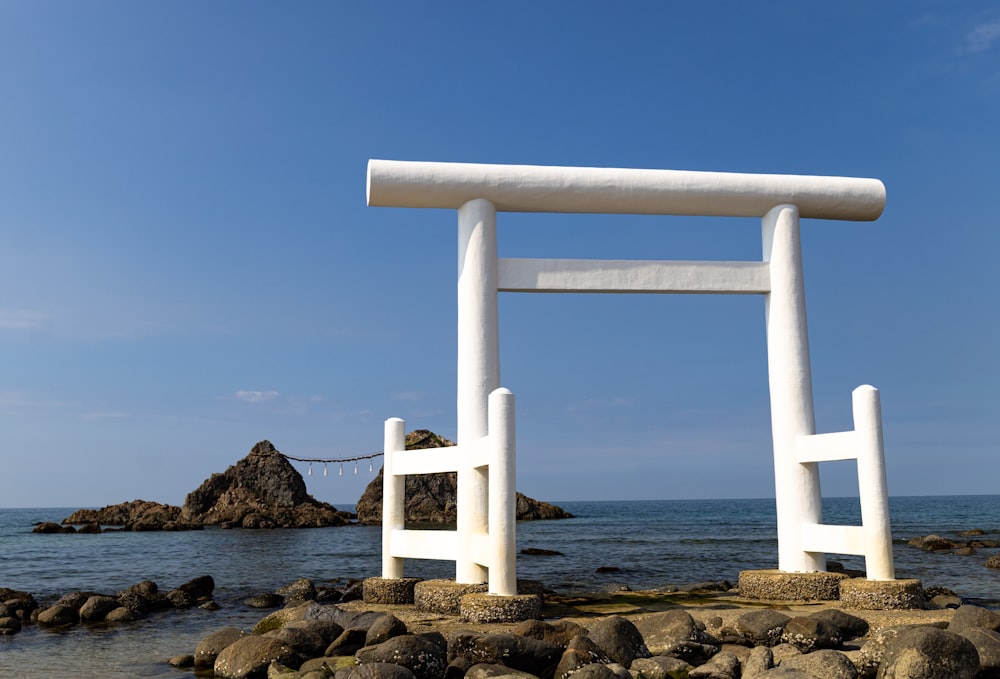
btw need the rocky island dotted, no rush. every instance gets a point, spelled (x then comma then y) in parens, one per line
(264, 490)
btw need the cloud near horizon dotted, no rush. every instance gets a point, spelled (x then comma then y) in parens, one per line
(248, 396)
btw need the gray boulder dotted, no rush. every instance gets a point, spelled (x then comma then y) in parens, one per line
(556, 632)
(822, 664)
(348, 642)
(491, 670)
(620, 639)
(520, 653)
(384, 628)
(59, 614)
(929, 653)
(850, 626)
(763, 627)
(308, 643)
(579, 652)
(376, 670)
(208, 649)
(659, 667)
(757, 662)
(302, 589)
(987, 643)
(665, 630)
(97, 607)
(597, 671)
(969, 617)
(809, 633)
(723, 665)
(421, 654)
(249, 657)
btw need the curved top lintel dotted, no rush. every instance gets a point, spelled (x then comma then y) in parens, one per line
(537, 188)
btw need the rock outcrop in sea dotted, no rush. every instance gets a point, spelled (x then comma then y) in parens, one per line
(431, 498)
(263, 490)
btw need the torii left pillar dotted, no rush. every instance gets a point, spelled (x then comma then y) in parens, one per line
(478, 368)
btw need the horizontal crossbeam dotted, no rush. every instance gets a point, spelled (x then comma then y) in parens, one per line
(841, 445)
(630, 276)
(821, 537)
(424, 544)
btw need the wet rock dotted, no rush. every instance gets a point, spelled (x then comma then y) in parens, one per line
(384, 628)
(521, 653)
(9, 625)
(968, 617)
(302, 589)
(810, 633)
(377, 670)
(208, 649)
(249, 657)
(421, 654)
(579, 652)
(182, 661)
(348, 642)
(558, 632)
(268, 600)
(763, 627)
(97, 607)
(929, 653)
(661, 631)
(850, 626)
(620, 639)
(489, 670)
(50, 527)
(987, 643)
(59, 614)
(932, 543)
(538, 551)
(993, 561)
(822, 664)
(308, 643)
(659, 667)
(724, 665)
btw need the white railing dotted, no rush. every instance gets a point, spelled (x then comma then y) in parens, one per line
(872, 539)
(492, 541)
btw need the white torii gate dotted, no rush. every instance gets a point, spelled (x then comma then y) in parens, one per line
(479, 191)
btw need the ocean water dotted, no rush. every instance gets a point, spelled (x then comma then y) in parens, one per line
(654, 544)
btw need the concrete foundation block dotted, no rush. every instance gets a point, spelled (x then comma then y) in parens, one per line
(775, 585)
(443, 596)
(882, 595)
(389, 590)
(489, 608)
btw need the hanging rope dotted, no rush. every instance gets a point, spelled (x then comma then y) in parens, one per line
(335, 460)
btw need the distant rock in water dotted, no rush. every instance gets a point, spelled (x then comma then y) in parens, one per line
(137, 515)
(431, 498)
(263, 490)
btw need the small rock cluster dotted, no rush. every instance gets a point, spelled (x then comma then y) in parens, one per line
(314, 641)
(135, 602)
(967, 544)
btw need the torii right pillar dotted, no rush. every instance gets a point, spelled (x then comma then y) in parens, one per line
(796, 485)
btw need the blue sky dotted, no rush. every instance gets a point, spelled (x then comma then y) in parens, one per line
(189, 265)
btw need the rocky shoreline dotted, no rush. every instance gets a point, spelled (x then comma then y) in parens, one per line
(703, 630)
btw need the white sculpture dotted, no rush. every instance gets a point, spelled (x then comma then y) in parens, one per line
(478, 192)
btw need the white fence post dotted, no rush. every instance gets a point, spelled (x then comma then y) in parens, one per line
(393, 496)
(502, 494)
(796, 485)
(478, 369)
(872, 487)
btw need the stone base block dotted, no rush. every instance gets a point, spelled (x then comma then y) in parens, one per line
(882, 595)
(443, 596)
(775, 585)
(389, 590)
(484, 608)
